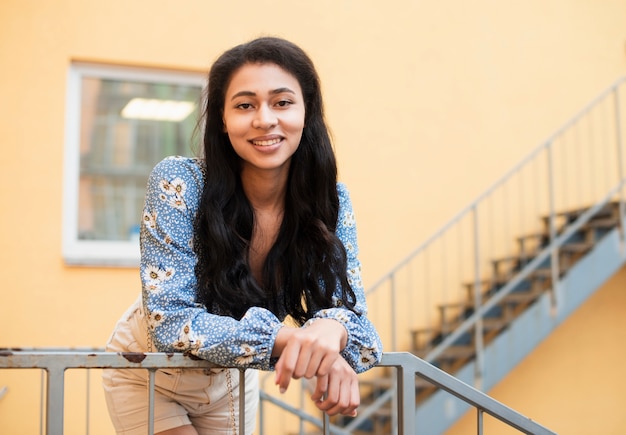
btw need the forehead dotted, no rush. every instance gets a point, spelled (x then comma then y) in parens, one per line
(261, 78)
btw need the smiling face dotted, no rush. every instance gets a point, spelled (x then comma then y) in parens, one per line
(264, 116)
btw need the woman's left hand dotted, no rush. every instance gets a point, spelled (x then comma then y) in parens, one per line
(338, 391)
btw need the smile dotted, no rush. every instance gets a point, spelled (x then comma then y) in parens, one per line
(266, 143)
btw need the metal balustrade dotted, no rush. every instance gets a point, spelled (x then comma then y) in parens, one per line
(56, 361)
(580, 166)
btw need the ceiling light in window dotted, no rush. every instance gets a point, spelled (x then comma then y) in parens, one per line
(157, 110)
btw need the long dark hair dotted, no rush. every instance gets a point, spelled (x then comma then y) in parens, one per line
(307, 262)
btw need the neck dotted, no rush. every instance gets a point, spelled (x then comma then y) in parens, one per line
(265, 189)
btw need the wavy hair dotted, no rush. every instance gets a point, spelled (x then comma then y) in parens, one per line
(307, 261)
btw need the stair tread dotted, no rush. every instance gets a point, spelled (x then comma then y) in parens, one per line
(606, 209)
(515, 295)
(390, 381)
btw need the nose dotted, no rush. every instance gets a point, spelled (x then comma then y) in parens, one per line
(265, 118)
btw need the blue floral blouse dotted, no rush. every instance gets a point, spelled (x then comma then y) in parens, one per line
(179, 324)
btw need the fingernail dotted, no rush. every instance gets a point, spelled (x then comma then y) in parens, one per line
(282, 390)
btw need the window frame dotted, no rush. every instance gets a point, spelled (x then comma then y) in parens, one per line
(100, 252)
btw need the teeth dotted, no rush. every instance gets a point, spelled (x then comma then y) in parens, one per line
(265, 143)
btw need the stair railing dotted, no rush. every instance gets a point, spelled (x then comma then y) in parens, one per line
(55, 362)
(544, 183)
(580, 165)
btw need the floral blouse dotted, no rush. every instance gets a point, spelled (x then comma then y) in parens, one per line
(179, 324)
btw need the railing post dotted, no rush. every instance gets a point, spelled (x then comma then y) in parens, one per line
(406, 398)
(620, 163)
(151, 384)
(554, 252)
(42, 400)
(54, 399)
(87, 401)
(394, 317)
(478, 326)
(325, 424)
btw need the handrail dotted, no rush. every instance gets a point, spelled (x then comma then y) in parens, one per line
(407, 365)
(519, 277)
(56, 361)
(556, 175)
(468, 209)
(548, 148)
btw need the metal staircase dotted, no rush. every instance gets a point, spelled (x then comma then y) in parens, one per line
(495, 273)
(592, 246)
(536, 283)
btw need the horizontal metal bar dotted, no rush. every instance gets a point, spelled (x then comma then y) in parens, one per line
(408, 366)
(301, 414)
(45, 359)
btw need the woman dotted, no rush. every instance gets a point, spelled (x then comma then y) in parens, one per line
(233, 243)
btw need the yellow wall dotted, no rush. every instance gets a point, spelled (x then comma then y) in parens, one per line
(429, 103)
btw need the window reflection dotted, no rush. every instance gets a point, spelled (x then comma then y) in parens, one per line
(118, 152)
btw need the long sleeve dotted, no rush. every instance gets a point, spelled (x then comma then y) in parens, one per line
(363, 349)
(177, 323)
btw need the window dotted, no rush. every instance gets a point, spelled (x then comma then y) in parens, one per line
(120, 122)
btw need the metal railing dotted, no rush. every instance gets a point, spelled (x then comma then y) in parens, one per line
(581, 165)
(56, 361)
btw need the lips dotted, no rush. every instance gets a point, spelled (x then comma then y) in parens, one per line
(266, 142)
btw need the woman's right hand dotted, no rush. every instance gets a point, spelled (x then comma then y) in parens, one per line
(309, 351)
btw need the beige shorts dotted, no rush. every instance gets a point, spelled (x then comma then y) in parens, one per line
(181, 396)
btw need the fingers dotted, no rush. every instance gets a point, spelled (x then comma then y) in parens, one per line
(300, 359)
(321, 386)
(338, 393)
(286, 365)
(307, 352)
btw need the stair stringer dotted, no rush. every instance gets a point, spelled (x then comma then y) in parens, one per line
(440, 411)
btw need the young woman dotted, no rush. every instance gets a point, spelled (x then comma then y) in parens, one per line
(235, 242)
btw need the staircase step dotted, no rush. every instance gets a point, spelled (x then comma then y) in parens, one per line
(387, 382)
(602, 219)
(457, 352)
(578, 247)
(608, 222)
(420, 338)
(610, 209)
(522, 294)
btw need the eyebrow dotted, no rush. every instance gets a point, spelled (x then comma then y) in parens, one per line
(252, 94)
